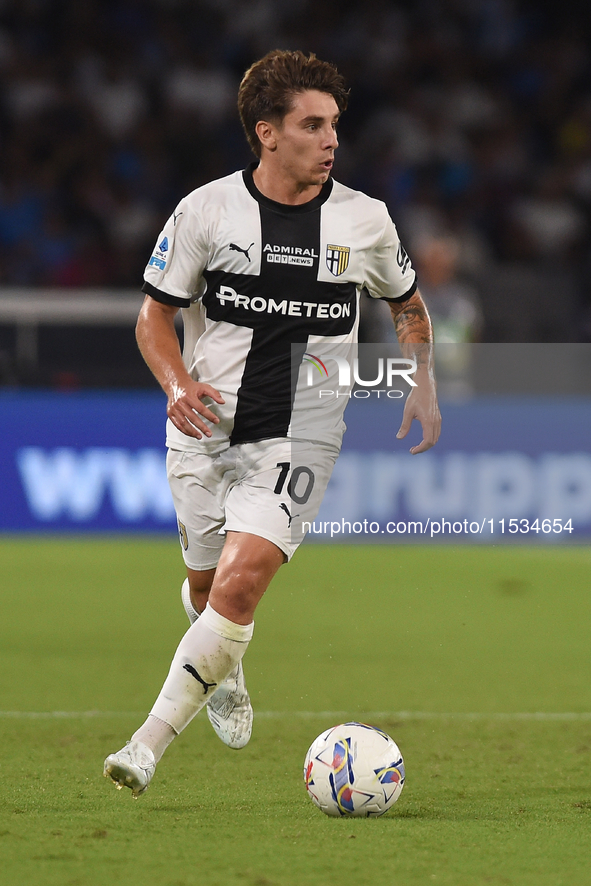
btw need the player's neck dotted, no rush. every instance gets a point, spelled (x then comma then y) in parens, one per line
(282, 188)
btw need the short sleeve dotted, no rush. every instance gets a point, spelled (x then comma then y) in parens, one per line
(389, 273)
(173, 273)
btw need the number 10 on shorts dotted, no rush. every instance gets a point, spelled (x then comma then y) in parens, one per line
(300, 485)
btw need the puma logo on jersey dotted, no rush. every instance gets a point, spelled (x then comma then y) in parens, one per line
(245, 252)
(175, 215)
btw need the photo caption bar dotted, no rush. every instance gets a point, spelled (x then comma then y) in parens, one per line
(432, 528)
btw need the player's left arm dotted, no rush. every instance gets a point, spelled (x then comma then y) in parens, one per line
(415, 334)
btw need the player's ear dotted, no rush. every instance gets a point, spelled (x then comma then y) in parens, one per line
(267, 135)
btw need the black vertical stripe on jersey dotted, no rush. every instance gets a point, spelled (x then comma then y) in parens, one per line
(265, 399)
(265, 403)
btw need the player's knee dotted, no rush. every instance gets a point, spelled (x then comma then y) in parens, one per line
(247, 566)
(236, 593)
(244, 583)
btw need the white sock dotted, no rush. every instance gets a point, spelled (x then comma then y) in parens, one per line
(192, 613)
(156, 734)
(209, 651)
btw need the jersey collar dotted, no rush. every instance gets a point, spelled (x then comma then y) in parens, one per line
(285, 208)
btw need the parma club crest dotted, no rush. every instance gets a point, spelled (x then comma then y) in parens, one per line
(183, 535)
(337, 259)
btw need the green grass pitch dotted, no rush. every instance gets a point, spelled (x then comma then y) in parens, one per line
(452, 650)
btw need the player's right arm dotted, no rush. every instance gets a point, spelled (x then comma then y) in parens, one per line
(159, 346)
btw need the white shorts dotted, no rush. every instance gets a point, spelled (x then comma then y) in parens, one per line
(268, 489)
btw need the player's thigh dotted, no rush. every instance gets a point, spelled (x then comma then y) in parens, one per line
(279, 490)
(198, 489)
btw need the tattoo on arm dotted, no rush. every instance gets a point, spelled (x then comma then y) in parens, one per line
(414, 329)
(412, 321)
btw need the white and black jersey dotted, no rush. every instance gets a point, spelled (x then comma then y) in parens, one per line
(266, 287)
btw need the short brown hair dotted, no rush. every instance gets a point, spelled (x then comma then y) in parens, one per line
(269, 86)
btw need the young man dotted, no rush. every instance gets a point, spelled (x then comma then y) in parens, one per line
(268, 264)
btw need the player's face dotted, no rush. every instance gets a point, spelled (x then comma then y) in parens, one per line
(307, 139)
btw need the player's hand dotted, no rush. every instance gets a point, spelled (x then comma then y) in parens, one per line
(187, 411)
(422, 404)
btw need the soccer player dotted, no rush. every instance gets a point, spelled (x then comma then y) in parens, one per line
(268, 265)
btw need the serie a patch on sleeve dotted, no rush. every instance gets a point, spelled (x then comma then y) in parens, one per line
(158, 259)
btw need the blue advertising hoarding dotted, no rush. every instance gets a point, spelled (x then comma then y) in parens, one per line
(504, 469)
(83, 462)
(89, 462)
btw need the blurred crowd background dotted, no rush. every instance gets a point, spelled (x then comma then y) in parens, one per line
(471, 119)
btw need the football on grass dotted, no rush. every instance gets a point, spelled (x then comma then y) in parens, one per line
(354, 770)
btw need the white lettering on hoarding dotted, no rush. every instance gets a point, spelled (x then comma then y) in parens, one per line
(73, 484)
